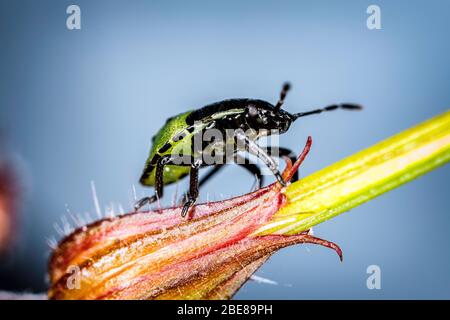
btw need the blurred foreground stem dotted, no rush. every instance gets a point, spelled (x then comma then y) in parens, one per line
(363, 176)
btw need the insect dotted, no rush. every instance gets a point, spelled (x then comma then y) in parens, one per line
(166, 164)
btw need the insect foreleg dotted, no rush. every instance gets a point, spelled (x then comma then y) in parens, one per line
(284, 152)
(243, 142)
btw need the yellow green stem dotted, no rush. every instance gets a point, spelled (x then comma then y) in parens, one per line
(363, 176)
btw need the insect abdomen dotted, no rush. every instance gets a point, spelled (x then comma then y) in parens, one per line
(174, 132)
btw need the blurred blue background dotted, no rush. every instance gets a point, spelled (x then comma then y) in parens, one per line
(82, 105)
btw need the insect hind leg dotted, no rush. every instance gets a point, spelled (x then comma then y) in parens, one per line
(244, 163)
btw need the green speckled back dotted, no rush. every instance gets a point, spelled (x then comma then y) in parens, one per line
(173, 126)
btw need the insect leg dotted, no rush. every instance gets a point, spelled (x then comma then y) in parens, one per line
(193, 187)
(256, 172)
(284, 152)
(159, 183)
(210, 174)
(253, 148)
(252, 168)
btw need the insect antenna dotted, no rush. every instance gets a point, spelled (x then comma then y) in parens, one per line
(284, 91)
(346, 106)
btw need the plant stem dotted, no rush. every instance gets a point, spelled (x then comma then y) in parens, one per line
(363, 176)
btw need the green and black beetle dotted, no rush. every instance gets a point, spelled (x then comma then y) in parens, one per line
(166, 164)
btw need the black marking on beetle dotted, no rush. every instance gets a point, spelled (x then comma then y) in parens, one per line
(155, 159)
(147, 171)
(165, 147)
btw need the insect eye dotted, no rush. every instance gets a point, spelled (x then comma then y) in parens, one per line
(252, 111)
